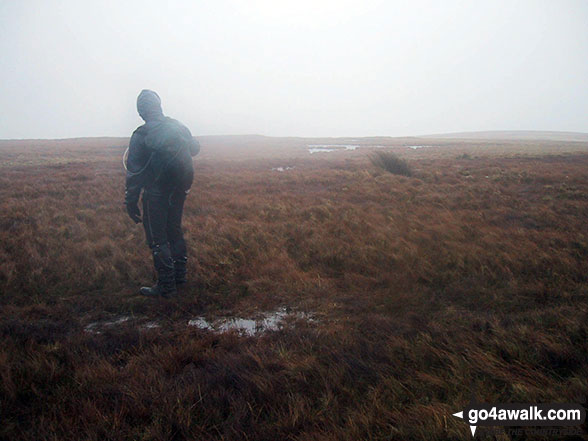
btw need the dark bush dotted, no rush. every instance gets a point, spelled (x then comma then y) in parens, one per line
(391, 162)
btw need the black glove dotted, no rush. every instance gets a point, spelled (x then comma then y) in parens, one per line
(134, 212)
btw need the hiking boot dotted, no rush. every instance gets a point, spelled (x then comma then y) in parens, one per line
(164, 266)
(180, 258)
(180, 271)
(158, 290)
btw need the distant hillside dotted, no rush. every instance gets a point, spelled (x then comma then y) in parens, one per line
(515, 135)
(497, 135)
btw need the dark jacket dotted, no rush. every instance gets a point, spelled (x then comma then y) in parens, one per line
(153, 170)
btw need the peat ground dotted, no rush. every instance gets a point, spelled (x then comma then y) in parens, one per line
(469, 276)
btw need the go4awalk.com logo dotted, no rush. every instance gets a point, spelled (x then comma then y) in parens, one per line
(518, 414)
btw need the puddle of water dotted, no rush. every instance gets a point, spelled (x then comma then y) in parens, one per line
(201, 323)
(316, 148)
(414, 147)
(334, 146)
(270, 321)
(281, 169)
(93, 327)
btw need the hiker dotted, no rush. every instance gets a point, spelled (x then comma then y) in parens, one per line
(160, 163)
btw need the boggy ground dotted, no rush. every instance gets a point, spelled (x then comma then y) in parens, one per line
(470, 276)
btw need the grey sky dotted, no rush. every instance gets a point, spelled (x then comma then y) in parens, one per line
(300, 68)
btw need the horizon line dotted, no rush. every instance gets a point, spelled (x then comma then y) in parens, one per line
(459, 134)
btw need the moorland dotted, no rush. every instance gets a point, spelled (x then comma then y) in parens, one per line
(414, 292)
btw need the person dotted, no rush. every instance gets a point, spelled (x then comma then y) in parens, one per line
(160, 163)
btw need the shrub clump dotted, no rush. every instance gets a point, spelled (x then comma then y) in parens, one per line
(391, 162)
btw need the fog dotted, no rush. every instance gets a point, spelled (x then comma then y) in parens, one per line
(295, 68)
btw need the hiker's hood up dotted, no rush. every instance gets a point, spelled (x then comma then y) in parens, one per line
(149, 105)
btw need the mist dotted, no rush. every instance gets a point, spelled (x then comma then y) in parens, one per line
(300, 68)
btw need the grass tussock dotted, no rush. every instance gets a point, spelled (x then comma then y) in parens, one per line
(391, 162)
(473, 274)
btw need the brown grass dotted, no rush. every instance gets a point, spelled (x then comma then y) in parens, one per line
(472, 275)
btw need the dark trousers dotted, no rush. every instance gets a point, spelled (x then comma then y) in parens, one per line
(162, 220)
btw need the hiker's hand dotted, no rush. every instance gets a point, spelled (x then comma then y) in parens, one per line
(134, 212)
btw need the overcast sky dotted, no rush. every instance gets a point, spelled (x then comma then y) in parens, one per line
(296, 68)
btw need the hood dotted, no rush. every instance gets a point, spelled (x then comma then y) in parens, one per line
(149, 105)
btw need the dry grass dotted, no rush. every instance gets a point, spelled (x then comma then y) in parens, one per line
(472, 275)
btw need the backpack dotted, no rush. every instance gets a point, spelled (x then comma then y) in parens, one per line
(169, 142)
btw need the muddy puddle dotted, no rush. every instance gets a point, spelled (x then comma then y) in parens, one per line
(262, 322)
(318, 148)
(268, 321)
(98, 327)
